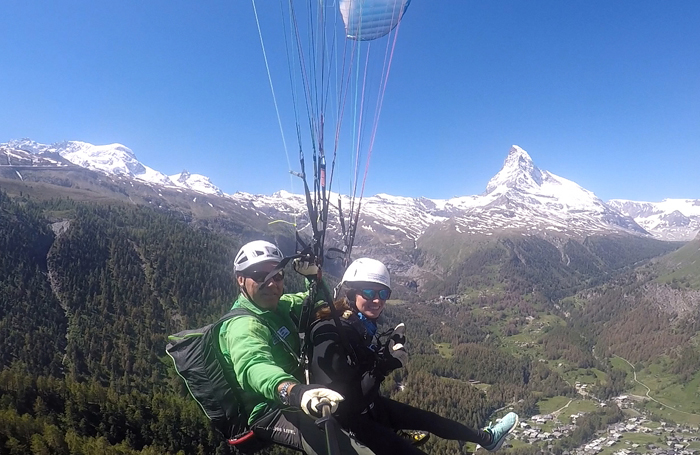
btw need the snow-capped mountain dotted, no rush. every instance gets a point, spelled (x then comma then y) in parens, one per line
(670, 219)
(394, 216)
(519, 197)
(114, 159)
(195, 182)
(10, 156)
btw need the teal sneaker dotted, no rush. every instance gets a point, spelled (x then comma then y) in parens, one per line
(501, 430)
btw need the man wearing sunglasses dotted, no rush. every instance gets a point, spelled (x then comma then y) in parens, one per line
(357, 371)
(263, 351)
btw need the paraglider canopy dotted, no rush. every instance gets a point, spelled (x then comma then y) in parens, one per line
(371, 19)
(338, 76)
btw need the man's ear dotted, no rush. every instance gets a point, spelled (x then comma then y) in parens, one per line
(241, 280)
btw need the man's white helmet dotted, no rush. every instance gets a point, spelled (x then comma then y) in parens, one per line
(254, 253)
(367, 270)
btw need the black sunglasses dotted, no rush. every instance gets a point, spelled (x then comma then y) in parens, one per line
(371, 294)
(259, 277)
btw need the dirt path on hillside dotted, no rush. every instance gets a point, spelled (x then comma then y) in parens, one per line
(634, 370)
(558, 411)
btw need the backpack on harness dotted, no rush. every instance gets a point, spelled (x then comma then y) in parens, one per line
(199, 362)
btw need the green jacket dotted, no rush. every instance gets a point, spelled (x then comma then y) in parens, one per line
(261, 362)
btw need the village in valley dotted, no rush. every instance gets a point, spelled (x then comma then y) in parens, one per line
(636, 435)
(660, 411)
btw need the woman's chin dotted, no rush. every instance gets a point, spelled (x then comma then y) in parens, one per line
(373, 314)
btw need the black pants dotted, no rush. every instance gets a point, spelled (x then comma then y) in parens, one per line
(377, 428)
(298, 431)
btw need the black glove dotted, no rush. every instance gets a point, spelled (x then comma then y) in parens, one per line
(309, 397)
(398, 335)
(393, 354)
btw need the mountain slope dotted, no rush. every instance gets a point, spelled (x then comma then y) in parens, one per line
(545, 269)
(681, 268)
(112, 159)
(521, 196)
(523, 210)
(85, 319)
(670, 219)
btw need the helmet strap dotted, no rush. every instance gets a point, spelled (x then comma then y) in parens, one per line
(351, 296)
(245, 293)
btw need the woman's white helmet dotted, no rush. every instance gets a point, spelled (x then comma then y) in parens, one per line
(254, 253)
(367, 270)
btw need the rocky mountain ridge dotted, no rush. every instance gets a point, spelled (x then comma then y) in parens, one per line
(112, 159)
(670, 219)
(520, 197)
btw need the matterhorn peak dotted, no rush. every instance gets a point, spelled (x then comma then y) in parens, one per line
(518, 158)
(518, 172)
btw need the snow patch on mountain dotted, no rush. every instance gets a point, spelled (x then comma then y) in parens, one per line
(115, 159)
(195, 182)
(112, 159)
(520, 177)
(10, 156)
(26, 145)
(670, 219)
(520, 196)
(394, 216)
(518, 172)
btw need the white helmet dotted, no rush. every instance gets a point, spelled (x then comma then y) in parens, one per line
(256, 252)
(367, 270)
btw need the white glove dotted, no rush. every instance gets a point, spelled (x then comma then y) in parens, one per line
(309, 397)
(305, 267)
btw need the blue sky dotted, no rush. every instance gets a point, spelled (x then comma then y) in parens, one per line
(604, 93)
